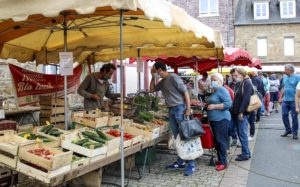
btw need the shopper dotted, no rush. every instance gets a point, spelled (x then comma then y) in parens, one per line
(219, 117)
(254, 116)
(266, 99)
(95, 86)
(234, 85)
(287, 98)
(178, 101)
(239, 110)
(274, 92)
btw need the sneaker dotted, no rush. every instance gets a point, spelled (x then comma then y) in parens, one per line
(176, 165)
(218, 163)
(276, 111)
(221, 167)
(242, 158)
(250, 138)
(189, 170)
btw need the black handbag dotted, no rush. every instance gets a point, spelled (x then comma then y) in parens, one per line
(190, 128)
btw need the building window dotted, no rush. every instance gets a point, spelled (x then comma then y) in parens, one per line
(262, 47)
(289, 46)
(208, 8)
(261, 10)
(288, 9)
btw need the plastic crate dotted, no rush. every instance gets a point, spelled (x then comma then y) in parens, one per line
(140, 156)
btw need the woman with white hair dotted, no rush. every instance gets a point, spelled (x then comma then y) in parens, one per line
(219, 117)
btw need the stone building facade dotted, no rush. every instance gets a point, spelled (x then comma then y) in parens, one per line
(269, 30)
(222, 19)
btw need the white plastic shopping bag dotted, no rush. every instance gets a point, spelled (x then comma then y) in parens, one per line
(189, 150)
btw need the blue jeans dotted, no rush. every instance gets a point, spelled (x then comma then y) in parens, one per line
(220, 130)
(176, 115)
(289, 106)
(242, 127)
(232, 129)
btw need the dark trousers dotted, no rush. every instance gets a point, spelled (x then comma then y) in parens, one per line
(220, 130)
(251, 120)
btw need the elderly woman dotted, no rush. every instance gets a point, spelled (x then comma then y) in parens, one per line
(239, 110)
(218, 114)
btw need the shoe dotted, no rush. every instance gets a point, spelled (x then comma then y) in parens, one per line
(218, 163)
(295, 136)
(221, 167)
(241, 155)
(234, 142)
(250, 138)
(176, 165)
(286, 133)
(242, 158)
(276, 111)
(189, 170)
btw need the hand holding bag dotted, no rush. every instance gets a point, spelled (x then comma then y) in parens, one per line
(190, 128)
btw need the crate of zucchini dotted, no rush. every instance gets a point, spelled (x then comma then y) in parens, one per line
(51, 132)
(9, 147)
(90, 143)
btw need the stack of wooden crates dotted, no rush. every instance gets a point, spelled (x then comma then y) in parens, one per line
(52, 110)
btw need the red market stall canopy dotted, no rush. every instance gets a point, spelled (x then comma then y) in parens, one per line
(232, 56)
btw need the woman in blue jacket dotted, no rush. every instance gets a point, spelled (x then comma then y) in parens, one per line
(219, 117)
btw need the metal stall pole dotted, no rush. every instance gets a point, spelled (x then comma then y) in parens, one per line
(138, 65)
(65, 26)
(122, 99)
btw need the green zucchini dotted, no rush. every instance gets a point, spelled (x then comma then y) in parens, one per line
(55, 133)
(49, 129)
(88, 133)
(93, 136)
(81, 142)
(102, 135)
(45, 128)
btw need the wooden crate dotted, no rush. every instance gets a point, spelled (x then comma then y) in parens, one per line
(38, 131)
(50, 113)
(114, 120)
(97, 158)
(80, 163)
(42, 175)
(53, 110)
(9, 147)
(51, 101)
(67, 144)
(127, 143)
(59, 159)
(89, 120)
(113, 145)
(151, 133)
(53, 119)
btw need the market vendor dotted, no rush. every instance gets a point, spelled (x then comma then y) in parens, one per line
(95, 86)
(178, 101)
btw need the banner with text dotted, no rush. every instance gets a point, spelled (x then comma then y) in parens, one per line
(29, 83)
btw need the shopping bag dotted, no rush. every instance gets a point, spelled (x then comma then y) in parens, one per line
(190, 149)
(190, 128)
(254, 103)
